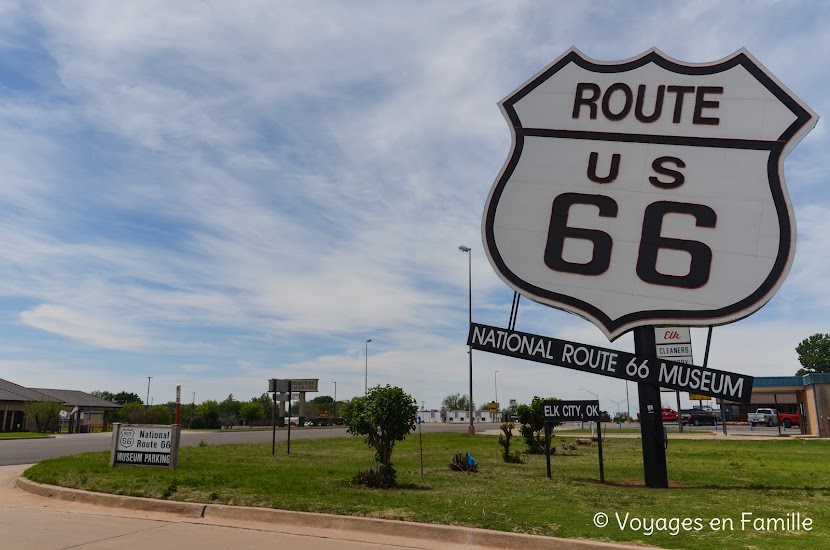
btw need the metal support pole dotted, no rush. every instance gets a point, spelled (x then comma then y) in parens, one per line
(547, 446)
(777, 418)
(651, 417)
(274, 424)
(366, 379)
(471, 430)
(679, 416)
(147, 403)
(290, 387)
(601, 463)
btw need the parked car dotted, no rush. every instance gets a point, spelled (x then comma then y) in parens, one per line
(789, 419)
(771, 417)
(763, 416)
(668, 414)
(698, 417)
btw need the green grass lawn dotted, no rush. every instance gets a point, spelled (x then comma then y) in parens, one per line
(16, 435)
(709, 479)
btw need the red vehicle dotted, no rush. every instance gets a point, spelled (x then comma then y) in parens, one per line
(789, 419)
(772, 417)
(668, 414)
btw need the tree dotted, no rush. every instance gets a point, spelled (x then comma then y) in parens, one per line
(207, 415)
(532, 418)
(229, 412)
(267, 404)
(457, 402)
(814, 354)
(130, 413)
(42, 412)
(158, 414)
(322, 400)
(103, 394)
(122, 398)
(385, 415)
(251, 412)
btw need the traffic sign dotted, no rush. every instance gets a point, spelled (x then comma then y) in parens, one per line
(666, 373)
(648, 191)
(566, 411)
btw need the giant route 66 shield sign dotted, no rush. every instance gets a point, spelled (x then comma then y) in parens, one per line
(648, 191)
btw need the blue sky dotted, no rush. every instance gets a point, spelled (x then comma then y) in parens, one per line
(214, 194)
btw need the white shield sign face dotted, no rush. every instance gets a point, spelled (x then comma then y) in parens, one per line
(648, 191)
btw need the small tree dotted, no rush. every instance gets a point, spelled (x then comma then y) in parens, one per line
(251, 412)
(103, 394)
(814, 354)
(267, 404)
(122, 398)
(532, 418)
(229, 412)
(42, 412)
(158, 414)
(504, 441)
(457, 402)
(207, 415)
(385, 415)
(130, 413)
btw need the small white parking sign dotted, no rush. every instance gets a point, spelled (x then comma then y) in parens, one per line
(647, 192)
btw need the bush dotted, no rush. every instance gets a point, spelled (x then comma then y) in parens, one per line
(504, 441)
(382, 478)
(385, 415)
(532, 418)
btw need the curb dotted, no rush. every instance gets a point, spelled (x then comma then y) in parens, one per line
(186, 509)
(440, 534)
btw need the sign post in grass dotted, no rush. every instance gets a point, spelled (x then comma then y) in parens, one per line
(570, 411)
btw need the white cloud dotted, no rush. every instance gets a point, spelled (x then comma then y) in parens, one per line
(214, 193)
(86, 327)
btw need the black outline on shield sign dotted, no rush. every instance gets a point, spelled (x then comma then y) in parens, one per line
(614, 328)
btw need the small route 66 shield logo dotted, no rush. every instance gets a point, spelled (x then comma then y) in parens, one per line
(127, 437)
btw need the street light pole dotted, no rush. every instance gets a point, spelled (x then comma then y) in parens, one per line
(471, 429)
(366, 380)
(597, 396)
(147, 403)
(335, 401)
(496, 383)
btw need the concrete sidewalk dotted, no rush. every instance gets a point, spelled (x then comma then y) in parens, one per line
(43, 517)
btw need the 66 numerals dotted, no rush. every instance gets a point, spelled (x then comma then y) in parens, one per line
(651, 240)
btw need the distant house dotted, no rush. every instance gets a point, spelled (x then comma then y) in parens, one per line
(82, 411)
(457, 416)
(13, 399)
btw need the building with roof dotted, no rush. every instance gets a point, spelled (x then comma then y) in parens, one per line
(83, 410)
(807, 395)
(13, 399)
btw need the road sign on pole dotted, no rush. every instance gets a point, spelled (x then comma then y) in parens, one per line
(647, 192)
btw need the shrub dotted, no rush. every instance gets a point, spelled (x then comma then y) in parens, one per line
(385, 415)
(504, 441)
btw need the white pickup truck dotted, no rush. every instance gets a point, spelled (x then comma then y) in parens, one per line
(763, 416)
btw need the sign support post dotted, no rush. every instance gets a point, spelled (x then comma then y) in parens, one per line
(651, 417)
(288, 451)
(567, 411)
(274, 425)
(547, 446)
(599, 445)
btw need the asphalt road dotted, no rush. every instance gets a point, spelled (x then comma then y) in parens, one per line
(30, 451)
